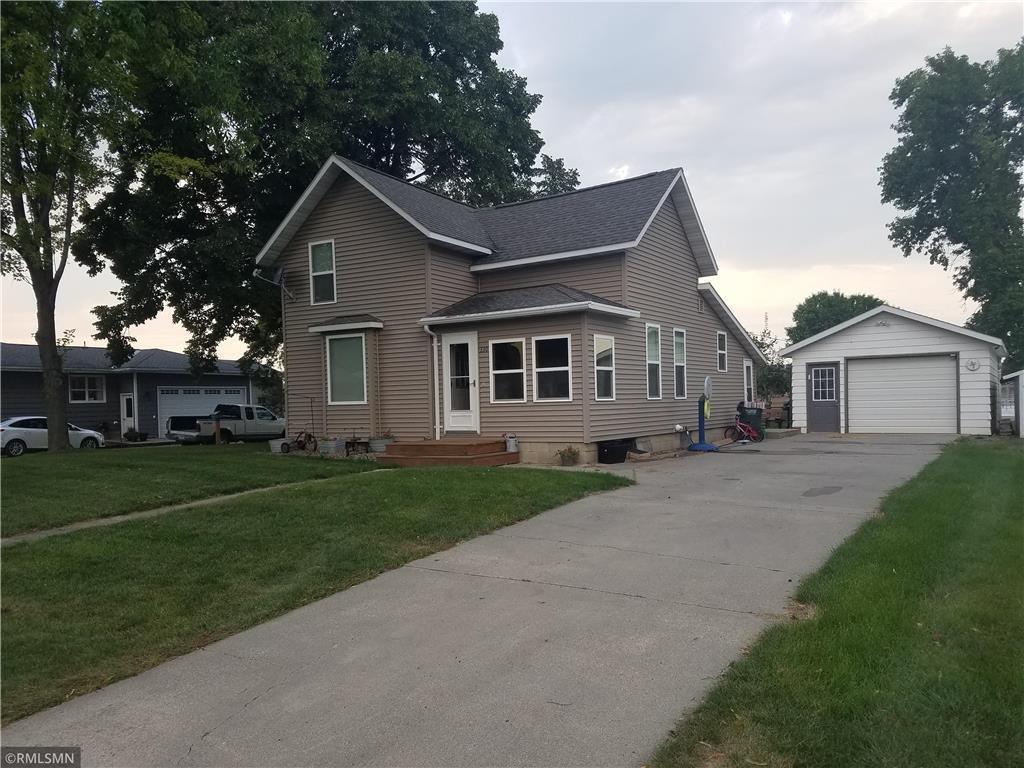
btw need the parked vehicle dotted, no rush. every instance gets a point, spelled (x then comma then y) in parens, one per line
(28, 433)
(183, 429)
(241, 422)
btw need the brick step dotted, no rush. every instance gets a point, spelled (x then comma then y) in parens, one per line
(445, 448)
(475, 460)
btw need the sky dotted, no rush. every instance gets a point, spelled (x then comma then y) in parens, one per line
(779, 114)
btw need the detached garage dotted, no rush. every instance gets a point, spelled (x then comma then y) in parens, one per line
(889, 370)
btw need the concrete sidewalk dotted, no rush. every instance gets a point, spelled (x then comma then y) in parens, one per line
(576, 638)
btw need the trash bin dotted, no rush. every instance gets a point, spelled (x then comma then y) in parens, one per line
(613, 451)
(752, 416)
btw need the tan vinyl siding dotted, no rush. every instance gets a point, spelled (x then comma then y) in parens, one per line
(661, 282)
(450, 279)
(600, 275)
(380, 263)
(543, 421)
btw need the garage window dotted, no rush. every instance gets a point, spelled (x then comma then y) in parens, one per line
(823, 384)
(87, 389)
(346, 370)
(321, 272)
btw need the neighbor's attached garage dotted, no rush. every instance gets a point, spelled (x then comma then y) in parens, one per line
(889, 370)
(902, 394)
(194, 401)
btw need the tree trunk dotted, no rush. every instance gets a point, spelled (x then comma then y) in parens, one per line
(53, 368)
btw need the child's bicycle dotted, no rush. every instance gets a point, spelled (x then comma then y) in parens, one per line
(743, 431)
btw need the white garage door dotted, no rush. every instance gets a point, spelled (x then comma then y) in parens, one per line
(902, 394)
(194, 401)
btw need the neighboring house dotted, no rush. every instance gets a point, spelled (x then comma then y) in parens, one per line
(142, 394)
(890, 370)
(1016, 399)
(568, 319)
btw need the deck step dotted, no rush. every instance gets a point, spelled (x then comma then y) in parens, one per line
(445, 448)
(473, 460)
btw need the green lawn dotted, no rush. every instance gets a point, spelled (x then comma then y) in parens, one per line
(45, 490)
(87, 608)
(916, 656)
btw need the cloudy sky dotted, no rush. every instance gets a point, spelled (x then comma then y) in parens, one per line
(779, 114)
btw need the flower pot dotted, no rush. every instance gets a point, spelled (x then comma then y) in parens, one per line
(330, 447)
(378, 444)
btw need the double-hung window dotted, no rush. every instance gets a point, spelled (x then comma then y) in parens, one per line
(321, 272)
(653, 362)
(346, 369)
(748, 380)
(552, 375)
(679, 361)
(87, 389)
(508, 371)
(604, 367)
(723, 352)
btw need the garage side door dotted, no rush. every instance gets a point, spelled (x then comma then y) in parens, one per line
(194, 401)
(902, 394)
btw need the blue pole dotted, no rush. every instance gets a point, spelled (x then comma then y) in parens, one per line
(702, 446)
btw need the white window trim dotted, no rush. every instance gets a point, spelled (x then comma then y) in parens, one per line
(748, 365)
(536, 370)
(604, 337)
(520, 371)
(327, 360)
(724, 350)
(103, 387)
(333, 273)
(676, 364)
(831, 377)
(648, 361)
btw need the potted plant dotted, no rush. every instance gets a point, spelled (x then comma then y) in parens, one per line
(569, 456)
(511, 442)
(328, 446)
(380, 443)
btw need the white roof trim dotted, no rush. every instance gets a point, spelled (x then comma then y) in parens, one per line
(899, 313)
(552, 257)
(272, 248)
(551, 309)
(345, 326)
(700, 224)
(719, 306)
(1013, 375)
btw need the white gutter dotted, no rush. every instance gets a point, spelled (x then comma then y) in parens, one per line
(553, 309)
(553, 256)
(435, 390)
(345, 327)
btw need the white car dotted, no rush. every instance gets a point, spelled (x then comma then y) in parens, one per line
(28, 433)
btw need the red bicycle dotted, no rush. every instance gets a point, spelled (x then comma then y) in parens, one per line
(743, 431)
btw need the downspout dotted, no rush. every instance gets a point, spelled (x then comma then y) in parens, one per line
(135, 405)
(435, 391)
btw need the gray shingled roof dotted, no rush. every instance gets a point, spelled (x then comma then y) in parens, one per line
(521, 298)
(433, 211)
(26, 357)
(593, 217)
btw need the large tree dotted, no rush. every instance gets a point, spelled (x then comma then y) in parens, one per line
(412, 89)
(820, 311)
(955, 175)
(62, 88)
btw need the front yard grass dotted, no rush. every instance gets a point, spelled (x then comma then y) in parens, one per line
(916, 656)
(84, 609)
(46, 490)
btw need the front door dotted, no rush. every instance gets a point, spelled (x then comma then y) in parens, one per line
(823, 397)
(127, 412)
(461, 394)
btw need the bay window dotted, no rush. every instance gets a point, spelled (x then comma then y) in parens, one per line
(552, 375)
(346, 369)
(508, 371)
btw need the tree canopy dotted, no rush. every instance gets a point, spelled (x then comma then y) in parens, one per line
(230, 128)
(955, 175)
(820, 311)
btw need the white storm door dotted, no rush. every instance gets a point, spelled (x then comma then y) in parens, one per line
(127, 412)
(461, 393)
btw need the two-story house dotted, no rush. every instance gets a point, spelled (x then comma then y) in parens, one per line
(569, 319)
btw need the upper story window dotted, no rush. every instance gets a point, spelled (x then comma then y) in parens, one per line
(723, 349)
(604, 367)
(653, 362)
(679, 361)
(346, 369)
(552, 376)
(87, 389)
(508, 371)
(321, 272)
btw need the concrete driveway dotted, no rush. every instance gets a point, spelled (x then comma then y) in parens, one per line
(575, 638)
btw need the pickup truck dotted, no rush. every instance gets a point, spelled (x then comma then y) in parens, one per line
(237, 422)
